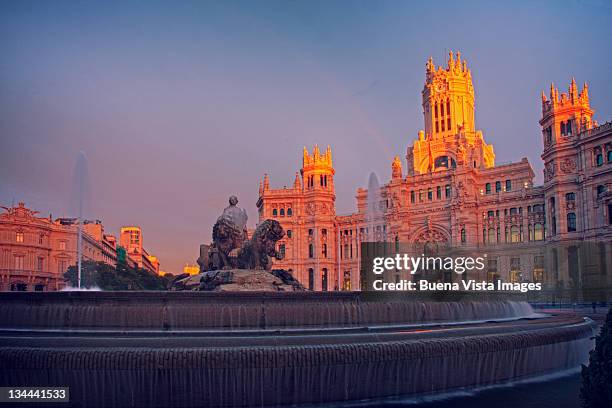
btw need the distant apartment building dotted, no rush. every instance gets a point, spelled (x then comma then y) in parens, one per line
(35, 251)
(130, 238)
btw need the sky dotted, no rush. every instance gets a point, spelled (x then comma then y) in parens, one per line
(178, 105)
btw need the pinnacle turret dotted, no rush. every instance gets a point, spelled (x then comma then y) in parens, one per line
(297, 184)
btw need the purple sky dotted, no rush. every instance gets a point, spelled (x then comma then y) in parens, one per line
(178, 105)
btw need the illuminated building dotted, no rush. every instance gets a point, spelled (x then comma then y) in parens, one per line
(453, 194)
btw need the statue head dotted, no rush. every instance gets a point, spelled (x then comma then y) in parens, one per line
(267, 234)
(233, 200)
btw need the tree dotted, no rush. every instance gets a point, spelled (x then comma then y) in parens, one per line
(596, 388)
(121, 277)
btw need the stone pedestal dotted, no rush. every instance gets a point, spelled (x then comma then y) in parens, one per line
(240, 280)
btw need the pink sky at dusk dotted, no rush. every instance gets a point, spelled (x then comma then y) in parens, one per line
(180, 105)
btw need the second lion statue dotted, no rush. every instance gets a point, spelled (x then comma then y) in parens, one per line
(256, 252)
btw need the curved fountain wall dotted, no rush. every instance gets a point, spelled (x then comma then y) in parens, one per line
(292, 375)
(138, 356)
(199, 310)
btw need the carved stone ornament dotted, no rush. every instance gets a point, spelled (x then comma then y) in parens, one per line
(430, 236)
(568, 165)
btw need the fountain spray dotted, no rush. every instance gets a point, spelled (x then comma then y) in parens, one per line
(81, 178)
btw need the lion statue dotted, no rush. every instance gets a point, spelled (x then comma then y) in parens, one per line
(227, 240)
(232, 250)
(256, 252)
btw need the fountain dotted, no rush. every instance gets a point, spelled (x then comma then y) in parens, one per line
(80, 199)
(373, 212)
(248, 348)
(252, 348)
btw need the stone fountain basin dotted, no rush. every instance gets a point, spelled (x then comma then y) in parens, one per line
(243, 310)
(188, 349)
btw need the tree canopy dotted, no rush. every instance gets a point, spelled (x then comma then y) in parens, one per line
(122, 277)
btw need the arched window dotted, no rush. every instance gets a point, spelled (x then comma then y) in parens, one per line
(310, 279)
(488, 188)
(538, 232)
(324, 280)
(598, 156)
(463, 237)
(289, 212)
(445, 161)
(497, 186)
(601, 189)
(553, 216)
(274, 212)
(491, 237)
(548, 135)
(282, 212)
(571, 222)
(515, 235)
(346, 285)
(529, 233)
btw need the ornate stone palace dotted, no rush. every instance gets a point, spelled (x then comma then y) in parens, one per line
(452, 193)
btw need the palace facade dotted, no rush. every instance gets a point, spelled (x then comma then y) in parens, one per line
(452, 193)
(35, 251)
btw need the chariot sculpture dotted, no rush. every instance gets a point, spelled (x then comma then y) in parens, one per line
(231, 248)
